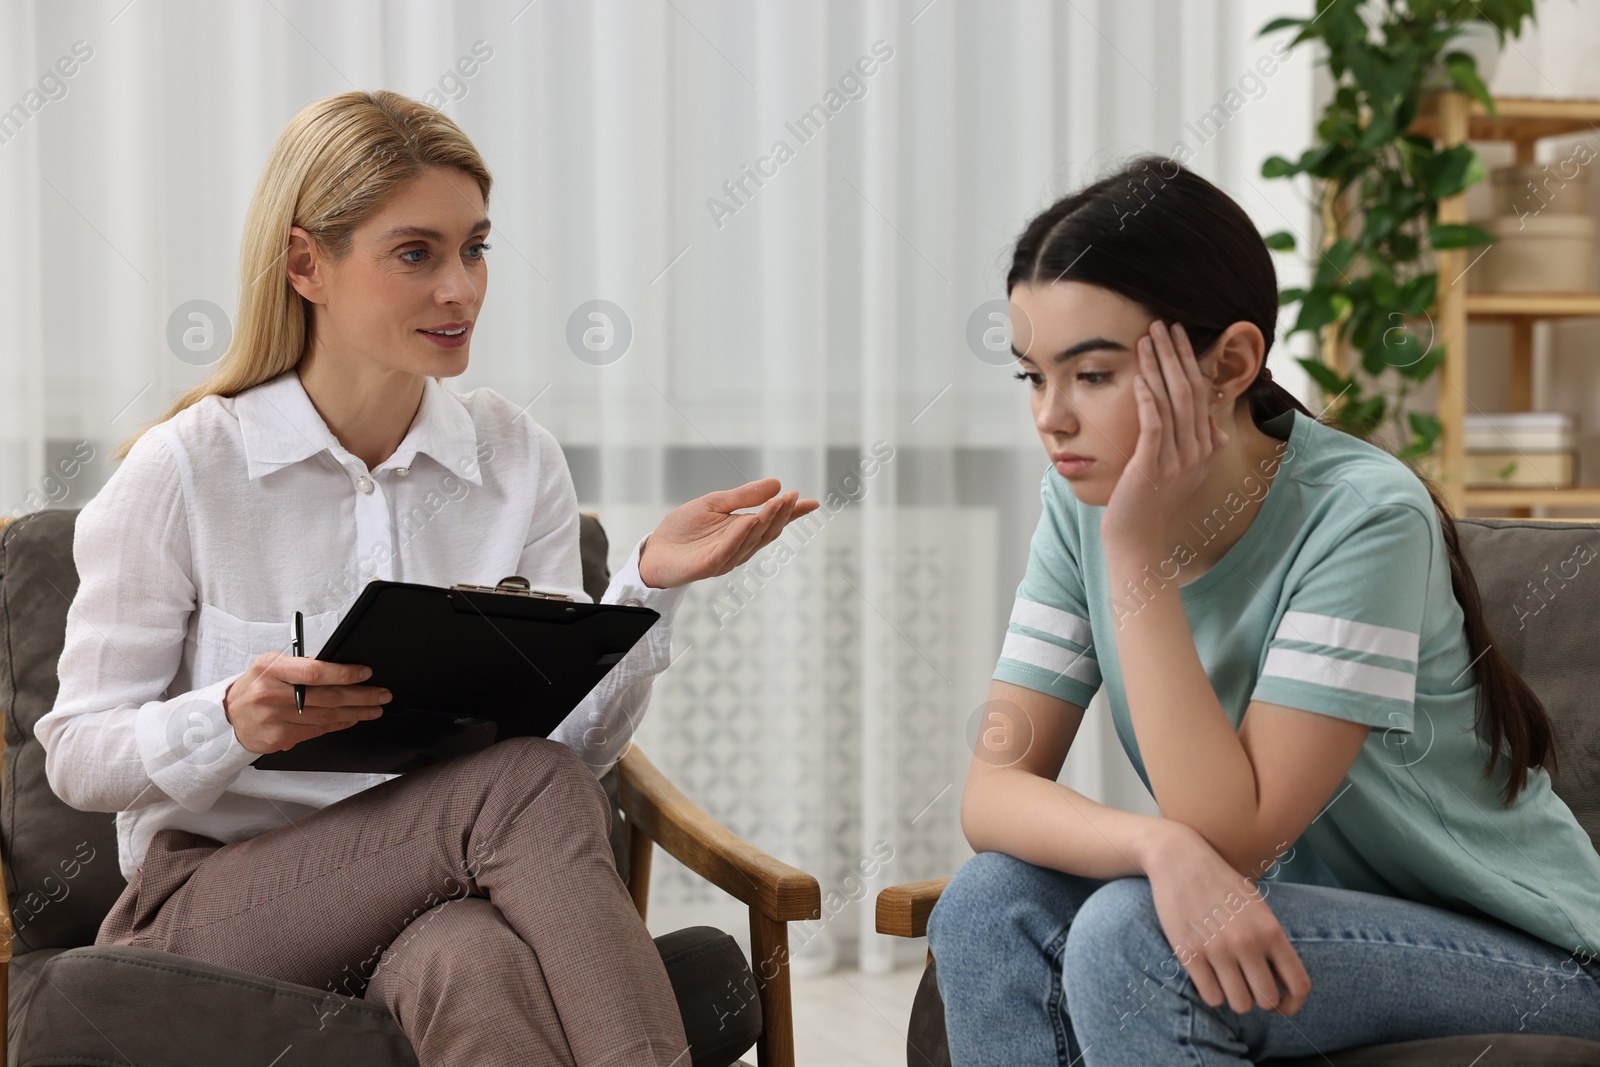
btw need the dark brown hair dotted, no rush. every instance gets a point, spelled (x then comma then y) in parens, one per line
(1162, 236)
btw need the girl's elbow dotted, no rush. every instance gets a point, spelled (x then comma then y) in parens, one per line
(973, 823)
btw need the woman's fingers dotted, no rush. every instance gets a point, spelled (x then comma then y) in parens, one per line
(1151, 428)
(763, 533)
(1178, 403)
(1262, 983)
(1199, 396)
(1240, 998)
(1164, 451)
(1292, 970)
(1204, 977)
(752, 536)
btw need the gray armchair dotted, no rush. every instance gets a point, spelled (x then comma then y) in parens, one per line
(1558, 660)
(71, 1002)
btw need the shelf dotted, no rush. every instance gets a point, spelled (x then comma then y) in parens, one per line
(1576, 497)
(1532, 305)
(1522, 118)
(1454, 118)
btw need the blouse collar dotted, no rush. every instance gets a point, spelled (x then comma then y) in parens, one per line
(281, 426)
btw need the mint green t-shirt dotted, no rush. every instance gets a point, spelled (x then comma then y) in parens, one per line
(1336, 600)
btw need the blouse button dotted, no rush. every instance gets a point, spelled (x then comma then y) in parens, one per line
(633, 602)
(402, 470)
(364, 484)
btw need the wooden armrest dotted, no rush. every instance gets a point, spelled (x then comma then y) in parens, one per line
(903, 909)
(717, 854)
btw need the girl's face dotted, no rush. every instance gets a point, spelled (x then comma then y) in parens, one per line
(415, 273)
(1074, 344)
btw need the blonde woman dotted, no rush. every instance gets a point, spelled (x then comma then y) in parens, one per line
(477, 898)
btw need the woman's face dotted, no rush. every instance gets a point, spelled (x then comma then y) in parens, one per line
(415, 272)
(1083, 405)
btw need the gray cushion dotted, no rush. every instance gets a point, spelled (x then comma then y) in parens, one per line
(1545, 621)
(93, 1006)
(102, 1005)
(24, 976)
(60, 864)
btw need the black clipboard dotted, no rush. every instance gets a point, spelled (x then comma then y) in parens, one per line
(468, 665)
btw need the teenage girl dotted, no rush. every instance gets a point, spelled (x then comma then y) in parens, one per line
(476, 899)
(1358, 840)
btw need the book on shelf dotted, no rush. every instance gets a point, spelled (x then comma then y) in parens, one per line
(1521, 469)
(1521, 431)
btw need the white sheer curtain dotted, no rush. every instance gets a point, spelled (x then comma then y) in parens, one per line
(820, 700)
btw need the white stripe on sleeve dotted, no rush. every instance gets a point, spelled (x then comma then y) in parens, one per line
(1054, 658)
(1340, 674)
(1051, 620)
(1347, 633)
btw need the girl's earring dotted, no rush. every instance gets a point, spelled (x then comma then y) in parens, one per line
(1219, 394)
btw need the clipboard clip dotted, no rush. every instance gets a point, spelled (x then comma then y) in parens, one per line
(515, 584)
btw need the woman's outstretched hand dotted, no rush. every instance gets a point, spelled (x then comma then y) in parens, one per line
(1178, 438)
(703, 538)
(1222, 932)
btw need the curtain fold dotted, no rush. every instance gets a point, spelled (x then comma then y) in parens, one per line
(731, 241)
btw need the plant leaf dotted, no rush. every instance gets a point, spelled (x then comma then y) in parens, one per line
(1324, 375)
(1416, 296)
(1463, 70)
(1453, 170)
(1457, 235)
(1279, 24)
(1278, 167)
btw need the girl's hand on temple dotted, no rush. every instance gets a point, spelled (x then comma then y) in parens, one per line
(1178, 439)
(1222, 931)
(703, 538)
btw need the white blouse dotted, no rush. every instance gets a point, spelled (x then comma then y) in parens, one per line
(226, 519)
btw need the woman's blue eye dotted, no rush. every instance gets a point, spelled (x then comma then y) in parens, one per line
(480, 248)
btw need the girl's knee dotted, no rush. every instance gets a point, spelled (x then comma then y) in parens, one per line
(982, 901)
(1117, 924)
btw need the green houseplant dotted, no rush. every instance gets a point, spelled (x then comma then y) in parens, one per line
(1374, 282)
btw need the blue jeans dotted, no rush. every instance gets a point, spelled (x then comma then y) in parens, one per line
(1037, 966)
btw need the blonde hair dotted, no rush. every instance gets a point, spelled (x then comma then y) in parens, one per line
(332, 168)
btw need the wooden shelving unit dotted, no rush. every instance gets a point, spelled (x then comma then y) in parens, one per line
(1454, 117)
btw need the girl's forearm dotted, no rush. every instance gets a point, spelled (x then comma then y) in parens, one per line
(1199, 771)
(1050, 825)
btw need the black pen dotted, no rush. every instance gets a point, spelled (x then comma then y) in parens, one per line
(299, 650)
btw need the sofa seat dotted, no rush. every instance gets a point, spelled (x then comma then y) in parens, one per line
(92, 1007)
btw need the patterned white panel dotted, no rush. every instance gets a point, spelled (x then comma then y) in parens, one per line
(758, 719)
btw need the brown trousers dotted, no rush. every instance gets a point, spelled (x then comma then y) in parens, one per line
(477, 899)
